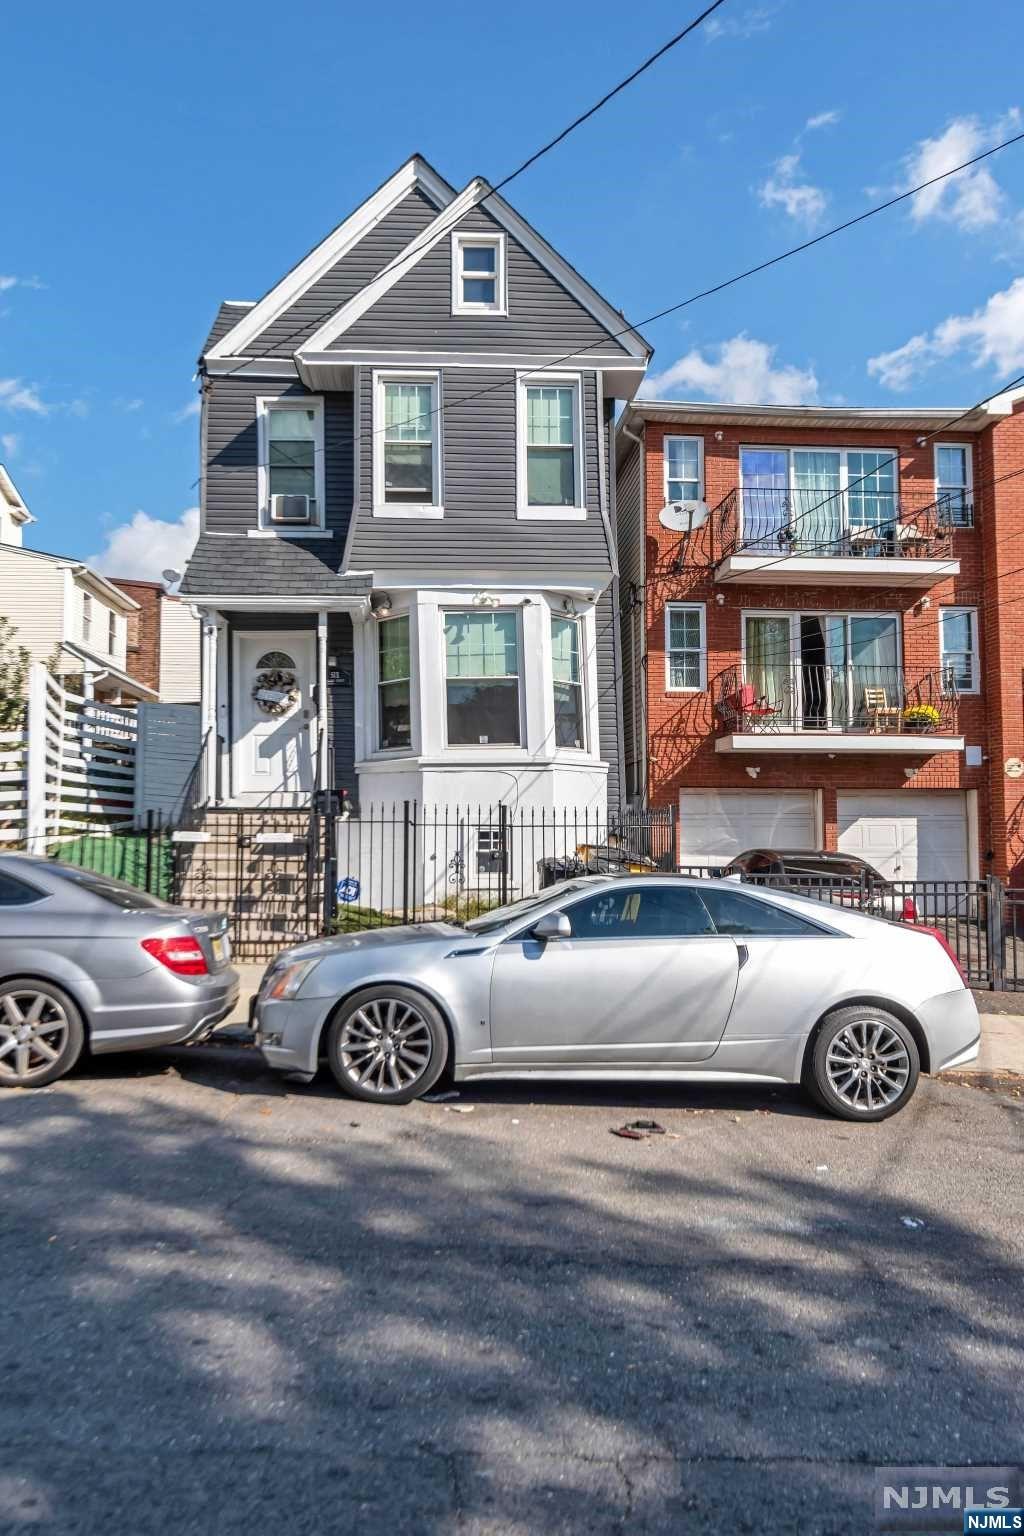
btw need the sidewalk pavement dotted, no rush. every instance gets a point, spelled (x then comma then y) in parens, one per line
(1002, 1034)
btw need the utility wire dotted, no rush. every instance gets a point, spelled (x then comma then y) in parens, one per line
(538, 154)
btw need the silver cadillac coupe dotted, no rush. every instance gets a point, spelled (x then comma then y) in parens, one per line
(628, 977)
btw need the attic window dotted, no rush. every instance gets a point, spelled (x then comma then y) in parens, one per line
(478, 275)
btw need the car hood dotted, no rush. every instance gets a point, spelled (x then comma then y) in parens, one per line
(374, 938)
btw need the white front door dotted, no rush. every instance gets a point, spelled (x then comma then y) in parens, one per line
(273, 717)
(909, 836)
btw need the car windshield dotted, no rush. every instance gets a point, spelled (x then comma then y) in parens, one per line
(832, 869)
(117, 892)
(499, 916)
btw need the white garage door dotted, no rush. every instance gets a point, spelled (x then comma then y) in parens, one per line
(907, 837)
(714, 826)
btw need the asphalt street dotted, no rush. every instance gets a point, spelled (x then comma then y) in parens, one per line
(232, 1305)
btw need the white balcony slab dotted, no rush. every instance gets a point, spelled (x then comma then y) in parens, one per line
(763, 569)
(833, 742)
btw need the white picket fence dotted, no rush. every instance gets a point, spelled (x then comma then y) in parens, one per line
(72, 770)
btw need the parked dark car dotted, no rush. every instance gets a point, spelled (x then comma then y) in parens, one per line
(88, 962)
(841, 878)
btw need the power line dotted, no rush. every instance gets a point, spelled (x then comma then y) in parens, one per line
(538, 154)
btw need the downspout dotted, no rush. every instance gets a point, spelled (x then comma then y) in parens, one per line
(611, 529)
(639, 679)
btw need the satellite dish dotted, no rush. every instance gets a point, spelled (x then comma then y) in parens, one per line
(683, 516)
(171, 576)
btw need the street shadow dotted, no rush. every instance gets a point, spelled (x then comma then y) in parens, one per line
(216, 1323)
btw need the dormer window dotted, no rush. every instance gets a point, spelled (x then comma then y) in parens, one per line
(478, 275)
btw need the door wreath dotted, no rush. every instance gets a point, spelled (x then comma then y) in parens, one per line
(276, 689)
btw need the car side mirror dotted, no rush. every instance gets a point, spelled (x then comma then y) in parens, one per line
(553, 925)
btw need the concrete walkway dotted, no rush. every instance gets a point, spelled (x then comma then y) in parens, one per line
(1002, 1034)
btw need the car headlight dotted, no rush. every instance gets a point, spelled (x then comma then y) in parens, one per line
(288, 981)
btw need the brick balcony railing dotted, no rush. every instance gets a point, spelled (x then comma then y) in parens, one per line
(910, 525)
(798, 696)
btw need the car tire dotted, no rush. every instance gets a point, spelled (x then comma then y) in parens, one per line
(387, 1045)
(41, 1033)
(865, 1064)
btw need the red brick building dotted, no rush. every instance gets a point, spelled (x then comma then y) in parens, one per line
(823, 630)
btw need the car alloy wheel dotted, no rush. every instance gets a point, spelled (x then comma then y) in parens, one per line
(388, 1046)
(38, 1034)
(868, 1065)
(865, 1063)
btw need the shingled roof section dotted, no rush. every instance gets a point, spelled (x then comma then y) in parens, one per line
(229, 314)
(235, 566)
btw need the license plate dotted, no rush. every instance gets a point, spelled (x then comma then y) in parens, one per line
(220, 950)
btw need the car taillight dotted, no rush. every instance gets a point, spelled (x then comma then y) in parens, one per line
(183, 956)
(943, 942)
(909, 910)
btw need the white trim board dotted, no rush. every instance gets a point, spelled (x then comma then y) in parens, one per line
(414, 173)
(470, 197)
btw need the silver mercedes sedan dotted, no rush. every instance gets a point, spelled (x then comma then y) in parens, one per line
(629, 978)
(90, 963)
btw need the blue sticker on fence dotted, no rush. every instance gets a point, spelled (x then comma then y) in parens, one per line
(348, 889)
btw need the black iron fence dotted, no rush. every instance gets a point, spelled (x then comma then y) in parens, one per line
(865, 521)
(286, 876)
(848, 699)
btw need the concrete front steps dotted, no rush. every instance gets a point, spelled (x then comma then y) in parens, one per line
(262, 869)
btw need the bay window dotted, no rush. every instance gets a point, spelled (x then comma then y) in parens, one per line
(482, 678)
(567, 678)
(393, 683)
(407, 471)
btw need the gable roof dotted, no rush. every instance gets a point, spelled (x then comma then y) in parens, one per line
(416, 173)
(478, 191)
(105, 589)
(226, 318)
(14, 499)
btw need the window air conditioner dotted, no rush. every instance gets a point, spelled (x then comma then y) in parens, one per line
(291, 509)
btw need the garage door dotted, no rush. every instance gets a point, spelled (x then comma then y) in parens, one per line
(716, 825)
(907, 837)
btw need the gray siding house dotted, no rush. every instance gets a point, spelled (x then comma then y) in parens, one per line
(406, 564)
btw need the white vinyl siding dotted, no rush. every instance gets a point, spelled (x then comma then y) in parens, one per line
(179, 653)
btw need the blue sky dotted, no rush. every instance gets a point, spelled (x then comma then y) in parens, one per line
(159, 160)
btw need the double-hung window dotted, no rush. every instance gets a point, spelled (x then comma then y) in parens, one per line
(567, 677)
(407, 470)
(291, 433)
(953, 484)
(685, 648)
(478, 274)
(393, 683)
(684, 468)
(482, 678)
(86, 618)
(958, 649)
(551, 471)
(111, 631)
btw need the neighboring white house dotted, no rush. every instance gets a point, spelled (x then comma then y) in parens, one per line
(59, 607)
(13, 512)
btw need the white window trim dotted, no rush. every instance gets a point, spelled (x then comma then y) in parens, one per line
(701, 611)
(478, 746)
(264, 405)
(578, 512)
(431, 376)
(377, 751)
(975, 654)
(461, 237)
(682, 437)
(968, 486)
(579, 620)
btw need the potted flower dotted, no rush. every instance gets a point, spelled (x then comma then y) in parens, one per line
(921, 718)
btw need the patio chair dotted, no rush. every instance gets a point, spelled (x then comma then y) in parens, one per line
(878, 709)
(757, 709)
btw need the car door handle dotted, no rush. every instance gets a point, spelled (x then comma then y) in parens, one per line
(742, 954)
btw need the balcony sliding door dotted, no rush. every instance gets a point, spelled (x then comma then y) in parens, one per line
(768, 666)
(765, 496)
(817, 500)
(871, 498)
(875, 679)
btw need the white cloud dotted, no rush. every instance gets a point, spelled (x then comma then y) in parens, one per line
(992, 336)
(192, 409)
(822, 120)
(800, 199)
(743, 371)
(144, 547)
(129, 405)
(748, 24)
(9, 281)
(973, 199)
(9, 443)
(79, 408)
(17, 396)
